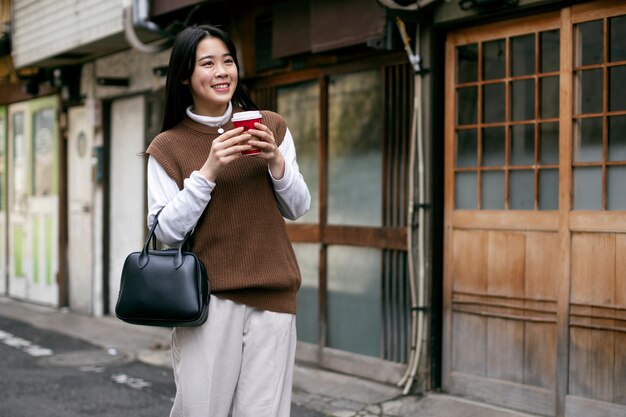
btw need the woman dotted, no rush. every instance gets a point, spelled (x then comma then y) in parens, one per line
(241, 359)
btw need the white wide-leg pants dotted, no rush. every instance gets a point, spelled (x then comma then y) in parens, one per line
(240, 359)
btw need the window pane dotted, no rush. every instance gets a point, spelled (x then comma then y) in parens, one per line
(617, 42)
(355, 157)
(588, 140)
(493, 103)
(616, 188)
(587, 188)
(589, 43)
(466, 148)
(299, 105)
(308, 316)
(549, 189)
(617, 88)
(523, 100)
(44, 150)
(467, 63)
(492, 190)
(465, 193)
(550, 45)
(523, 144)
(494, 146)
(549, 87)
(549, 143)
(354, 299)
(523, 55)
(467, 105)
(590, 87)
(617, 138)
(522, 190)
(494, 59)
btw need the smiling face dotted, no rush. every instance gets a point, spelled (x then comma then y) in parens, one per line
(214, 78)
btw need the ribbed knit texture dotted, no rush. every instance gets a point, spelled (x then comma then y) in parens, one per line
(241, 237)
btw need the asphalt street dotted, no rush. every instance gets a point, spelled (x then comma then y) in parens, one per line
(49, 374)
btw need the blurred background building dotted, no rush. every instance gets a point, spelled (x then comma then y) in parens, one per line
(467, 163)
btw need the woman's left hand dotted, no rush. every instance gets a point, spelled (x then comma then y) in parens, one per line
(263, 139)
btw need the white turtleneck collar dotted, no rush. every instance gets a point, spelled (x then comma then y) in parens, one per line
(217, 121)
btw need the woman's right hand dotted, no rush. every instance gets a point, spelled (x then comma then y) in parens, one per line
(225, 148)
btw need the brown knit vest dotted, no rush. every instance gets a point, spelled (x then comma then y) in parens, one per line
(241, 236)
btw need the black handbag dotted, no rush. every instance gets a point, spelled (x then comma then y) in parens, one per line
(167, 287)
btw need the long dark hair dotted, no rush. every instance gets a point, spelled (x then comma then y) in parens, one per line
(182, 62)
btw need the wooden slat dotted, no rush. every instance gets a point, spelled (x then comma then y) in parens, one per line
(505, 263)
(373, 237)
(592, 364)
(505, 220)
(593, 261)
(500, 29)
(597, 10)
(303, 233)
(594, 221)
(540, 354)
(507, 394)
(583, 407)
(505, 349)
(566, 89)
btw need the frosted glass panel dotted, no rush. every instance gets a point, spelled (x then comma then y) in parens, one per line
(467, 63)
(617, 41)
(589, 98)
(494, 103)
(494, 59)
(617, 138)
(617, 88)
(589, 44)
(494, 146)
(522, 190)
(355, 299)
(549, 87)
(523, 55)
(523, 144)
(465, 194)
(493, 190)
(549, 189)
(308, 311)
(587, 188)
(299, 105)
(616, 188)
(467, 105)
(466, 148)
(588, 140)
(355, 149)
(523, 100)
(549, 44)
(549, 143)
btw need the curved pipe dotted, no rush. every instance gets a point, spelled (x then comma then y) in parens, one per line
(136, 16)
(390, 4)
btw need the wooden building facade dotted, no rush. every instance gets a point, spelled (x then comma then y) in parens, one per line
(468, 188)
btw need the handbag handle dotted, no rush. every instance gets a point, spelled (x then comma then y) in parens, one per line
(144, 257)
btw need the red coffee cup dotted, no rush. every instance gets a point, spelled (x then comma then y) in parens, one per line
(247, 119)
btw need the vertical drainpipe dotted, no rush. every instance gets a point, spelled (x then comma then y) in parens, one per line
(416, 160)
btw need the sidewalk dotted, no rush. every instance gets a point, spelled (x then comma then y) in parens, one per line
(332, 394)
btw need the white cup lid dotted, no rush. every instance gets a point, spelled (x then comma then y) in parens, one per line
(246, 115)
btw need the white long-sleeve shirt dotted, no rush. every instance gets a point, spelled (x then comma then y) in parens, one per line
(183, 208)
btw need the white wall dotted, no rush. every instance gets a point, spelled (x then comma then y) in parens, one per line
(44, 28)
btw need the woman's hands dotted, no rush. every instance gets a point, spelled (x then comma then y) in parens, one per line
(263, 139)
(225, 148)
(228, 146)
